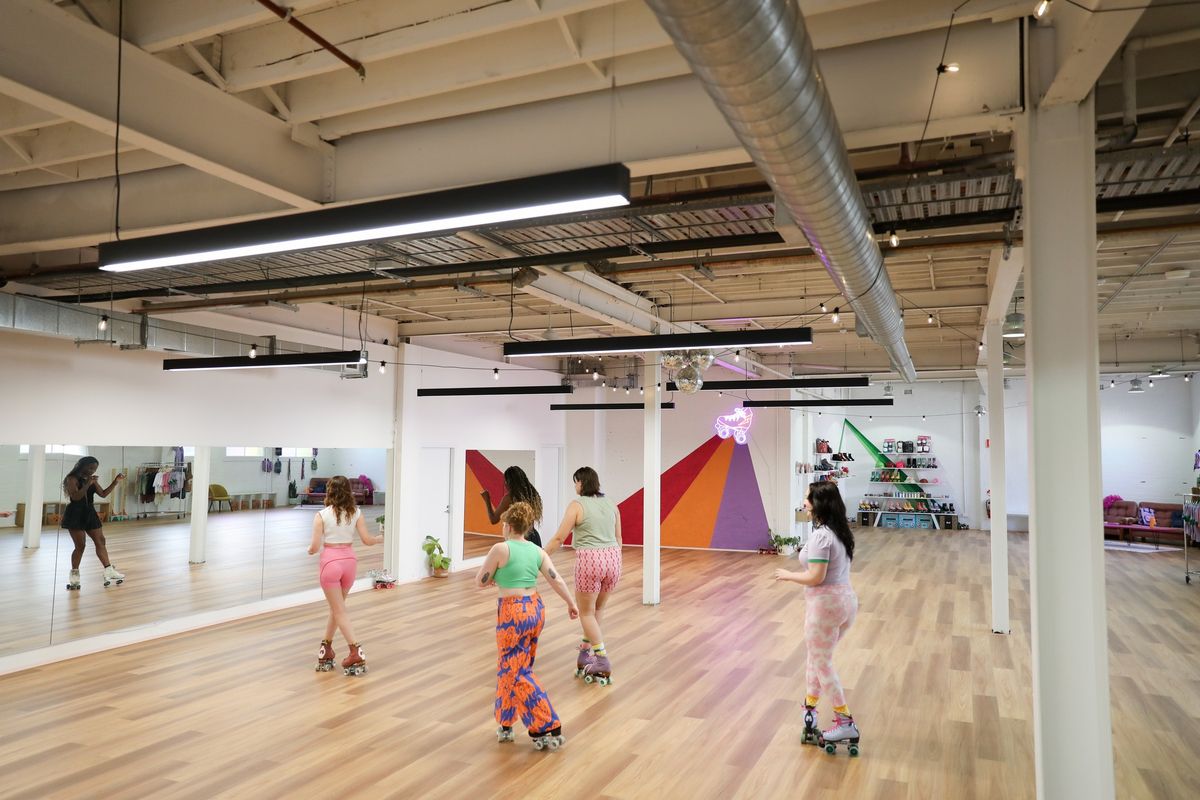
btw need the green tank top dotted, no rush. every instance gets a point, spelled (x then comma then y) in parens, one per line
(599, 526)
(524, 563)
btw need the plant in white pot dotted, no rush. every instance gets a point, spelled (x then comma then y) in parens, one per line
(380, 519)
(783, 545)
(439, 562)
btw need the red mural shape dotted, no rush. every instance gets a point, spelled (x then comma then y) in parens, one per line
(675, 483)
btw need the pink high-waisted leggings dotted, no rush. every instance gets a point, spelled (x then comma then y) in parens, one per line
(829, 612)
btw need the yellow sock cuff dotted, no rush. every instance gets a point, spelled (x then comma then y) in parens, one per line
(843, 710)
(811, 701)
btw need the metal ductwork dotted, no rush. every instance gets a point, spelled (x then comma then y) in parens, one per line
(757, 62)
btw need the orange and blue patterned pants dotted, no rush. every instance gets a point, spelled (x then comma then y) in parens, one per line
(519, 622)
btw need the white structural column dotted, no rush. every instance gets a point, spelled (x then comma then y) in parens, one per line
(395, 502)
(35, 496)
(999, 522)
(652, 480)
(1072, 721)
(201, 477)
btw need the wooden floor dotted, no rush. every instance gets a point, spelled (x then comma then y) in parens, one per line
(478, 544)
(707, 700)
(250, 555)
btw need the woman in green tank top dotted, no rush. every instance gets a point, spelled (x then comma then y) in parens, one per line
(513, 567)
(595, 524)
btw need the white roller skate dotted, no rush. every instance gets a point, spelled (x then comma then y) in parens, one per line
(812, 730)
(356, 662)
(550, 740)
(844, 732)
(325, 657)
(111, 576)
(73, 581)
(504, 734)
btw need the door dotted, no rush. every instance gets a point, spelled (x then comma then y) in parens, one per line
(434, 516)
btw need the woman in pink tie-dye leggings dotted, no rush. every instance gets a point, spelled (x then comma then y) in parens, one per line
(831, 608)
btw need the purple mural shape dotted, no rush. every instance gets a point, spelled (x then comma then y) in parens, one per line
(742, 520)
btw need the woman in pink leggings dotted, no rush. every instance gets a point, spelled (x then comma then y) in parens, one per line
(333, 534)
(831, 608)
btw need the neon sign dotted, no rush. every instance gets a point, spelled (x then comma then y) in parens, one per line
(736, 425)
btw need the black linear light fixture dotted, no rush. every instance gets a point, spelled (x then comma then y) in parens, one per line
(325, 358)
(475, 391)
(784, 383)
(668, 341)
(879, 401)
(568, 192)
(605, 406)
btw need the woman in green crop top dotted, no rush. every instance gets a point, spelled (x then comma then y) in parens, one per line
(513, 566)
(595, 524)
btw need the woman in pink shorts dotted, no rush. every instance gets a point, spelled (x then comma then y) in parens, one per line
(595, 523)
(334, 529)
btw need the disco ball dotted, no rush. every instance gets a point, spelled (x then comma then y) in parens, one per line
(672, 359)
(701, 359)
(688, 379)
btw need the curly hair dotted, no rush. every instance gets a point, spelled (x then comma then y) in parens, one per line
(519, 517)
(77, 470)
(520, 490)
(338, 495)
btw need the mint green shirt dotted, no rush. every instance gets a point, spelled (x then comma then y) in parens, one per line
(524, 563)
(599, 526)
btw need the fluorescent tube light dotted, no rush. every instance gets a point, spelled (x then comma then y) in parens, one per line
(604, 406)
(784, 383)
(885, 401)
(325, 358)
(657, 343)
(475, 391)
(451, 210)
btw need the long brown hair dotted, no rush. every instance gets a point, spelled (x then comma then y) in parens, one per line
(830, 510)
(338, 495)
(589, 482)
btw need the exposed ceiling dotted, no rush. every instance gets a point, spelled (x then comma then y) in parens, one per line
(229, 113)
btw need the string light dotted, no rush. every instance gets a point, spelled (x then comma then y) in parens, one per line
(822, 308)
(1112, 383)
(1187, 378)
(737, 355)
(595, 375)
(1041, 8)
(922, 418)
(641, 390)
(254, 351)
(930, 319)
(383, 368)
(952, 67)
(1151, 383)
(627, 390)
(981, 347)
(103, 323)
(496, 374)
(893, 238)
(835, 313)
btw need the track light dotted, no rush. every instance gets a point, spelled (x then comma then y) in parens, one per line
(254, 351)
(893, 238)
(1041, 8)
(383, 368)
(835, 313)
(103, 323)
(496, 374)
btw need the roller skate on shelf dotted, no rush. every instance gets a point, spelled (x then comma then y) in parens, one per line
(325, 657)
(356, 662)
(582, 661)
(550, 740)
(844, 732)
(812, 732)
(598, 670)
(111, 576)
(504, 734)
(73, 581)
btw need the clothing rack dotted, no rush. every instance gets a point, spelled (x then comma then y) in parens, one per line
(177, 477)
(1191, 536)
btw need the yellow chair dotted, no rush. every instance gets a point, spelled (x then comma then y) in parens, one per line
(218, 494)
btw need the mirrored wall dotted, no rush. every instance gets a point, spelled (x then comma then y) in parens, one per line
(485, 493)
(254, 538)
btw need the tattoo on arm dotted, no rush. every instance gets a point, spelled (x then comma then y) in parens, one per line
(553, 575)
(485, 577)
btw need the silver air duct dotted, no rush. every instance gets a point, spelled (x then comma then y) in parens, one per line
(756, 60)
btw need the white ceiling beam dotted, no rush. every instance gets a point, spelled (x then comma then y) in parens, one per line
(57, 144)
(524, 51)
(277, 102)
(157, 25)
(1003, 276)
(17, 117)
(1084, 44)
(208, 69)
(80, 215)
(88, 169)
(67, 67)
(376, 30)
(882, 19)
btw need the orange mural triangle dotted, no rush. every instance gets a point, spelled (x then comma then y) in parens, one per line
(475, 518)
(691, 522)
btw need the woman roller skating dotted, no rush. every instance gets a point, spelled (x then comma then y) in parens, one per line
(513, 566)
(831, 608)
(81, 520)
(334, 528)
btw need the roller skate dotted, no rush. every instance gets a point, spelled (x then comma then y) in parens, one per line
(111, 576)
(325, 656)
(844, 732)
(504, 734)
(73, 581)
(356, 662)
(550, 740)
(812, 731)
(581, 662)
(598, 670)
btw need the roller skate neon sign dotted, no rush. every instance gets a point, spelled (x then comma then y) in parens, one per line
(736, 425)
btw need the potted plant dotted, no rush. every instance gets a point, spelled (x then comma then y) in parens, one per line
(380, 519)
(439, 562)
(784, 545)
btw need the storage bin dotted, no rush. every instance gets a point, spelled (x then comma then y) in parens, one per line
(888, 520)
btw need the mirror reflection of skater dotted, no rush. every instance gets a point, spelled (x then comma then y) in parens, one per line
(81, 520)
(333, 534)
(517, 489)
(831, 606)
(596, 524)
(513, 566)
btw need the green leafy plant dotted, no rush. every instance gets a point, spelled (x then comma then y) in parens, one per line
(436, 555)
(379, 519)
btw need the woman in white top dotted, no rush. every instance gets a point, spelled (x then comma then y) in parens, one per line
(334, 528)
(830, 608)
